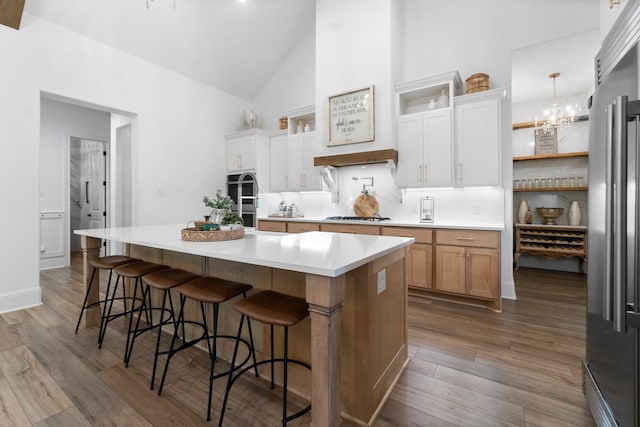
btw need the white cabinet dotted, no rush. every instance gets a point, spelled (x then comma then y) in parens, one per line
(425, 130)
(292, 163)
(248, 151)
(477, 139)
(424, 149)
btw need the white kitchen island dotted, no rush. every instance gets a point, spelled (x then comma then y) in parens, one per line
(356, 336)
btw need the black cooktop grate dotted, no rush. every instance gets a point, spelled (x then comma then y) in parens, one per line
(357, 218)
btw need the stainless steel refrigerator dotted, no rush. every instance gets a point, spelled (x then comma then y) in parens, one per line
(611, 373)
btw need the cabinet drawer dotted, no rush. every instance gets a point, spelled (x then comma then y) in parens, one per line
(422, 235)
(483, 239)
(350, 228)
(278, 226)
(301, 227)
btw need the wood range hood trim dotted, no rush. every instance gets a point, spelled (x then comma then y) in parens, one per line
(389, 156)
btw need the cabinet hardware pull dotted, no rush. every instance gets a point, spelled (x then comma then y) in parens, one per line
(286, 181)
(239, 161)
(424, 171)
(420, 174)
(465, 238)
(460, 165)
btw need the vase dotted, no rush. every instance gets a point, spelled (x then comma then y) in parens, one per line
(217, 215)
(522, 212)
(575, 214)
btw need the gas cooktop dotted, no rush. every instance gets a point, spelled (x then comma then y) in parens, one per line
(356, 218)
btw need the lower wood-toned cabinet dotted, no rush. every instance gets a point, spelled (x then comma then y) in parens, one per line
(279, 226)
(419, 257)
(467, 263)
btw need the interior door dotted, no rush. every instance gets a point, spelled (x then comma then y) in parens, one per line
(94, 183)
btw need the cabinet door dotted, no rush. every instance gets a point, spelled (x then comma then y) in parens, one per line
(420, 266)
(279, 163)
(241, 154)
(450, 269)
(482, 272)
(296, 154)
(438, 151)
(311, 179)
(478, 143)
(410, 152)
(302, 227)
(279, 226)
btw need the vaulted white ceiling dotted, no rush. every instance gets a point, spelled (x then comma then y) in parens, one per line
(231, 45)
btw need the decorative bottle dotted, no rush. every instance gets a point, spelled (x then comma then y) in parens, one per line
(528, 219)
(522, 212)
(575, 214)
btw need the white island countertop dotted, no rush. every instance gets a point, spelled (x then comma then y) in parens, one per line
(321, 253)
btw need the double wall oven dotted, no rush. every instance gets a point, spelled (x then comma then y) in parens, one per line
(243, 190)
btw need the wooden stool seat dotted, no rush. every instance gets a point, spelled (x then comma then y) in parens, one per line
(213, 290)
(273, 308)
(112, 261)
(139, 269)
(167, 279)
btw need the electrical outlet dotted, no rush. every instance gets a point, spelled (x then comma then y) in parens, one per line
(161, 192)
(475, 209)
(382, 280)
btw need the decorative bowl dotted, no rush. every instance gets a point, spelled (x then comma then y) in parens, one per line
(550, 214)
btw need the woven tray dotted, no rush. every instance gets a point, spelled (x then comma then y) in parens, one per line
(193, 235)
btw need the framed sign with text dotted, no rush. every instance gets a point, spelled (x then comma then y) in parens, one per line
(546, 143)
(351, 117)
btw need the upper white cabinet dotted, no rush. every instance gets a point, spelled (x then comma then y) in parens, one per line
(292, 163)
(424, 149)
(425, 121)
(477, 138)
(445, 138)
(248, 151)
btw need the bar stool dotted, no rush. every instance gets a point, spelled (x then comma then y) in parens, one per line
(163, 280)
(103, 263)
(209, 290)
(131, 271)
(273, 309)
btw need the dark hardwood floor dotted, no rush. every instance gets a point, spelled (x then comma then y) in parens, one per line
(469, 366)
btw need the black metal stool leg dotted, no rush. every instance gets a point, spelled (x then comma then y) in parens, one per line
(133, 309)
(165, 293)
(230, 378)
(106, 316)
(173, 342)
(284, 376)
(272, 371)
(134, 333)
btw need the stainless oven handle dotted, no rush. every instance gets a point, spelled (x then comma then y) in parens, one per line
(607, 309)
(620, 214)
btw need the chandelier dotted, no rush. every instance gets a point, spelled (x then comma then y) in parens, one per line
(555, 117)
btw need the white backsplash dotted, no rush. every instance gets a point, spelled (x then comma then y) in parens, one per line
(452, 205)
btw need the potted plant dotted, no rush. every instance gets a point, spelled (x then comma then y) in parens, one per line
(221, 205)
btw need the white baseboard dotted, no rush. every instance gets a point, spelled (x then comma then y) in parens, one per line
(17, 300)
(509, 289)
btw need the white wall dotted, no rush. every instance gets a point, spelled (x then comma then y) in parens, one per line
(293, 85)
(178, 136)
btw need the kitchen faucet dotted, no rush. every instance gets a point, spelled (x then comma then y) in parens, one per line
(364, 186)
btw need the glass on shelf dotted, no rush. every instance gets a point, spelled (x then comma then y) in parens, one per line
(581, 182)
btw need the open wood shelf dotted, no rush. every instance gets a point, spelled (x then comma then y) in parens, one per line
(547, 189)
(552, 156)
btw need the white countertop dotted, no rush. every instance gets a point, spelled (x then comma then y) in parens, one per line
(321, 253)
(395, 223)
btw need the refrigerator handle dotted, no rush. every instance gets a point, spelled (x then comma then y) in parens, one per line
(607, 309)
(620, 214)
